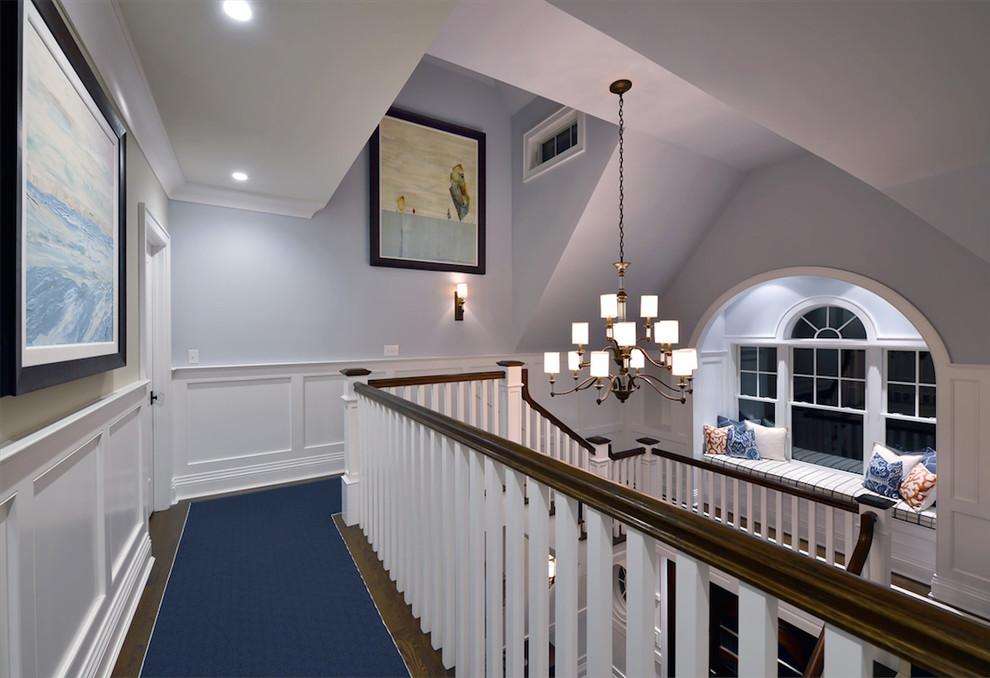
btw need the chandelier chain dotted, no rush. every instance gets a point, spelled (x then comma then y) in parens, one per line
(622, 256)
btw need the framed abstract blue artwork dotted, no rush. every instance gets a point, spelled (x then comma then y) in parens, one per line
(427, 194)
(62, 208)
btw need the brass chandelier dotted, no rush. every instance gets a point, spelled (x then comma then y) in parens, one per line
(623, 346)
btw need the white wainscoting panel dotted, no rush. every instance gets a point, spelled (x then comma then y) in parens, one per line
(320, 427)
(963, 563)
(74, 546)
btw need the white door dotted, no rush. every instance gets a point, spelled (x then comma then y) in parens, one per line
(156, 359)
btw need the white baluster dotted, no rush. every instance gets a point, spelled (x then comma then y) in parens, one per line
(494, 603)
(692, 616)
(463, 536)
(750, 512)
(757, 633)
(779, 517)
(641, 578)
(764, 516)
(566, 586)
(813, 529)
(845, 655)
(449, 560)
(437, 554)
(830, 534)
(599, 616)
(476, 563)
(795, 525)
(539, 594)
(515, 577)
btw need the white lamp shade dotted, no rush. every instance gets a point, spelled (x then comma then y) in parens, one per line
(599, 363)
(667, 332)
(610, 305)
(637, 359)
(462, 290)
(573, 361)
(579, 333)
(684, 362)
(649, 305)
(551, 362)
(625, 334)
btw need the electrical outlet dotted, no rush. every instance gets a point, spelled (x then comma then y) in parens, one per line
(193, 356)
(391, 350)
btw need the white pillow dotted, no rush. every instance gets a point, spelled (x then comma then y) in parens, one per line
(909, 461)
(771, 441)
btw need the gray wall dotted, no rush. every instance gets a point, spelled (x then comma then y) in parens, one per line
(806, 212)
(256, 288)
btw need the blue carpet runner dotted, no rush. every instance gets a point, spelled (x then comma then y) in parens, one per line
(263, 585)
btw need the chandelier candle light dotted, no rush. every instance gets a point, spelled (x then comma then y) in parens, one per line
(623, 347)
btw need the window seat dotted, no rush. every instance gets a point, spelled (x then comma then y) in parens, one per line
(827, 481)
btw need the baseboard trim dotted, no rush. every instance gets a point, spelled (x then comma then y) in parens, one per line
(961, 596)
(257, 475)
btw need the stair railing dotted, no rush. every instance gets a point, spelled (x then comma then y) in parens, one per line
(461, 548)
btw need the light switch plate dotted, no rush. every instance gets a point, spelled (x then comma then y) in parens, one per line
(391, 350)
(193, 356)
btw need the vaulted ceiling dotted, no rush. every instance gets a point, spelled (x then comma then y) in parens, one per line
(895, 93)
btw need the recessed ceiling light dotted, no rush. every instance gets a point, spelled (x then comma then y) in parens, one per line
(239, 176)
(238, 10)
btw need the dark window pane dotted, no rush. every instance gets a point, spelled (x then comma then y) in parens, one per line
(926, 404)
(804, 389)
(900, 366)
(828, 333)
(900, 399)
(854, 330)
(802, 330)
(574, 134)
(828, 362)
(926, 373)
(547, 150)
(854, 394)
(831, 433)
(768, 385)
(837, 317)
(563, 141)
(747, 358)
(818, 317)
(768, 359)
(910, 435)
(804, 361)
(757, 410)
(747, 384)
(854, 364)
(828, 392)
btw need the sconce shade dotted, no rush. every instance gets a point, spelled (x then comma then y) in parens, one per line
(579, 333)
(649, 305)
(599, 363)
(667, 332)
(625, 334)
(685, 361)
(610, 305)
(462, 290)
(551, 362)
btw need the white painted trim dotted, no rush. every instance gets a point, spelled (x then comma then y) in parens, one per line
(246, 200)
(259, 475)
(534, 138)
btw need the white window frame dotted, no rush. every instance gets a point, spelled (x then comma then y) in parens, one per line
(533, 141)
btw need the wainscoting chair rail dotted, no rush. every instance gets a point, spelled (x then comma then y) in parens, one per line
(933, 638)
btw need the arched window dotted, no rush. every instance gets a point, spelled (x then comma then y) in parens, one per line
(838, 390)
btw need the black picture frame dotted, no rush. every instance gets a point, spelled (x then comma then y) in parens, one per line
(62, 208)
(432, 162)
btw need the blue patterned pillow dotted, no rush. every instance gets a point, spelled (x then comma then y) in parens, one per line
(722, 422)
(929, 459)
(884, 476)
(742, 444)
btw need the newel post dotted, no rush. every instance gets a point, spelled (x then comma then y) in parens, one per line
(879, 561)
(601, 463)
(510, 390)
(351, 490)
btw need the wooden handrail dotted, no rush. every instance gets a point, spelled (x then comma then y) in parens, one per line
(426, 380)
(625, 454)
(867, 522)
(553, 418)
(827, 500)
(938, 640)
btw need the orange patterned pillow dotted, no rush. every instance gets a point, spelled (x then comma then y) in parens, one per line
(918, 488)
(716, 439)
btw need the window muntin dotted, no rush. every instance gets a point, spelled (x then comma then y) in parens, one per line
(556, 139)
(829, 322)
(910, 383)
(758, 383)
(830, 377)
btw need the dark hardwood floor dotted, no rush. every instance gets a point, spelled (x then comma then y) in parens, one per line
(166, 527)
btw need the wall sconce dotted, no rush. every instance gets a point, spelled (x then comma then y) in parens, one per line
(552, 568)
(460, 295)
